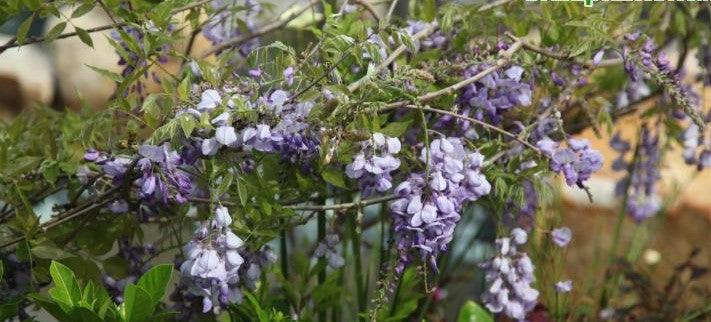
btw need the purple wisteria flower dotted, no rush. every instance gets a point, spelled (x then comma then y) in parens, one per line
(425, 215)
(494, 94)
(509, 276)
(374, 163)
(226, 24)
(561, 236)
(162, 179)
(213, 260)
(131, 60)
(327, 249)
(640, 184)
(436, 39)
(564, 286)
(284, 128)
(576, 162)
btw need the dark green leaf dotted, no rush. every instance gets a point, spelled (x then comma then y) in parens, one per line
(83, 9)
(335, 177)
(138, 304)
(65, 290)
(23, 29)
(55, 31)
(155, 281)
(108, 74)
(473, 312)
(50, 306)
(84, 37)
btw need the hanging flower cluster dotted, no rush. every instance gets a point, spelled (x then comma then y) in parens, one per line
(284, 128)
(577, 162)
(430, 202)
(509, 276)
(211, 269)
(640, 185)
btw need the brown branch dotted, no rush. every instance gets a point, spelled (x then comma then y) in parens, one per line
(68, 215)
(506, 57)
(13, 42)
(269, 27)
(347, 205)
(341, 206)
(478, 122)
(559, 56)
(492, 5)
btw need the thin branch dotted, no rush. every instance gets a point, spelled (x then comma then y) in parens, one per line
(616, 114)
(274, 25)
(341, 206)
(505, 58)
(68, 215)
(347, 205)
(13, 41)
(393, 4)
(397, 52)
(344, 55)
(478, 122)
(559, 56)
(492, 5)
(368, 7)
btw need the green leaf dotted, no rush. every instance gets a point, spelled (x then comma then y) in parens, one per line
(397, 129)
(66, 290)
(49, 251)
(85, 315)
(335, 177)
(50, 306)
(155, 281)
(187, 124)
(138, 304)
(23, 29)
(83, 9)
(33, 5)
(107, 73)
(84, 37)
(473, 312)
(55, 31)
(184, 89)
(242, 192)
(8, 310)
(2, 269)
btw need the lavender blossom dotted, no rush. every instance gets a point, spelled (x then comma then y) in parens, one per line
(494, 94)
(212, 264)
(430, 204)
(132, 61)
(561, 236)
(577, 162)
(509, 276)
(225, 24)
(327, 249)
(436, 39)
(162, 179)
(639, 185)
(564, 286)
(374, 163)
